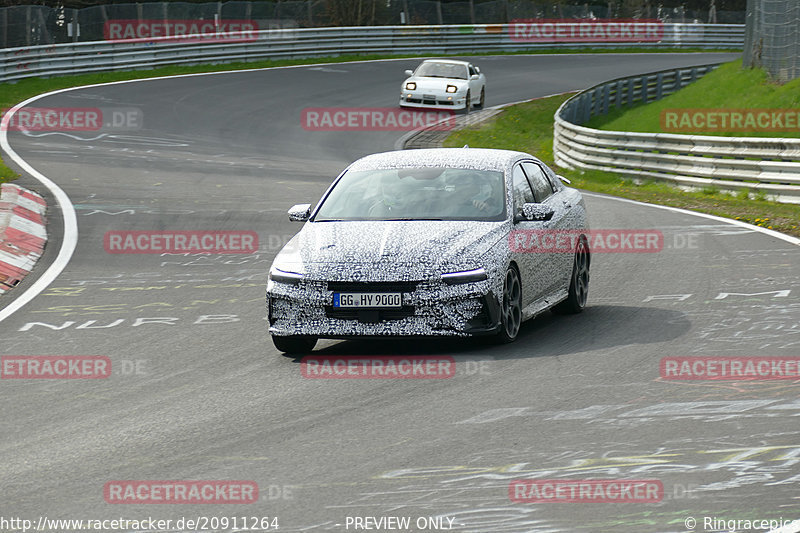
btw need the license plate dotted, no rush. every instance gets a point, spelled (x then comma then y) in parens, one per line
(367, 299)
(429, 96)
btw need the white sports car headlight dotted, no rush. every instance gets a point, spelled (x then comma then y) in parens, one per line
(451, 88)
(410, 86)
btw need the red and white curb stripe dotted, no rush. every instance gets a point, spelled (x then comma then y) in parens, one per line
(22, 233)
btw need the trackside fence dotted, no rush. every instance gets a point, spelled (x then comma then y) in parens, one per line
(100, 56)
(771, 165)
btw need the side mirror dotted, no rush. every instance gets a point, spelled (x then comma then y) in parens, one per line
(409, 72)
(536, 212)
(474, 77)
(300, 212)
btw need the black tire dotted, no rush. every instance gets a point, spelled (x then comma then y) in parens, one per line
(483, 98)
(468, 103)
(295, 344)
(510, 307)
(579, 282)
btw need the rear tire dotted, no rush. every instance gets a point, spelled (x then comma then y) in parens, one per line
(510, 307)
(579, 282)
(294, 344)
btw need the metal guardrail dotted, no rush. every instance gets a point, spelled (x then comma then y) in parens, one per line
(100, 56)
(771, 165)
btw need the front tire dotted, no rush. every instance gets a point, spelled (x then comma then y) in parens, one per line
(294, 344)
(510, 307)
(468, 103)
(579, 282)
(483, 99)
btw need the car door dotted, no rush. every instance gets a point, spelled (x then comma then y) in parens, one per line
(546, 192)
(533, 264)
(474, 85)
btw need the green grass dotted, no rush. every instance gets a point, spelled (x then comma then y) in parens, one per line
(528, 128)
(728, 87)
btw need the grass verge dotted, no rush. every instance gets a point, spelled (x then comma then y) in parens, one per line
(528, 128)
(728, 87)
(13, 93)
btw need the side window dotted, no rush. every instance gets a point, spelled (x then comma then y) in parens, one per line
(541, 185)
(522, 190)
(555, 183)
(472, 70)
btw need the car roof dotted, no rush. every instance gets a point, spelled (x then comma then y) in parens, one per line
(472, 158)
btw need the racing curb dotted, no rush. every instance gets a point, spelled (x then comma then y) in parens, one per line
(432, 136)
(22, 233)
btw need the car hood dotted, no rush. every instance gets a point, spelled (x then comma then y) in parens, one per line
(435, 83)
(377, 250)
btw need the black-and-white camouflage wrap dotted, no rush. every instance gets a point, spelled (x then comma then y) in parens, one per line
(410, 256)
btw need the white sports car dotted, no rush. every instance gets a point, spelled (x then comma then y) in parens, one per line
(444, 84)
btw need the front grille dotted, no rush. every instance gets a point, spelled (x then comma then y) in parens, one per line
(369, 316)
(372, 286)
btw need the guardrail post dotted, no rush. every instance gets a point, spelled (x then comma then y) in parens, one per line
(629, 94)
(606, 93)
(659, 86)
(587, 108)
(645, 89)
(618, 96)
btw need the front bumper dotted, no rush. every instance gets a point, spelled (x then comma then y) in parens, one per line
(428, 309)
(422, 100)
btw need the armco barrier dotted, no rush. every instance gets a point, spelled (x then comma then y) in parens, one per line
(770, 165)
(78, 58)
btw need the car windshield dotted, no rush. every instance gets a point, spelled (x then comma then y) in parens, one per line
(442, 70)
(416, 194)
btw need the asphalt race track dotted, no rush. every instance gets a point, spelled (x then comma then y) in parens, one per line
(199, 393)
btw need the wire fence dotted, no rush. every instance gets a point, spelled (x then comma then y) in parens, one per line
(772, 38)
(33, 25)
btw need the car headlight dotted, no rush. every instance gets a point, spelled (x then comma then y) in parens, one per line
(285, 276)
(451, 89)
(410, 86)
(466, 276)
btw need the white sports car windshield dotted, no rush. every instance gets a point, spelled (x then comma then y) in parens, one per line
(442, 70)
(416, 194)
